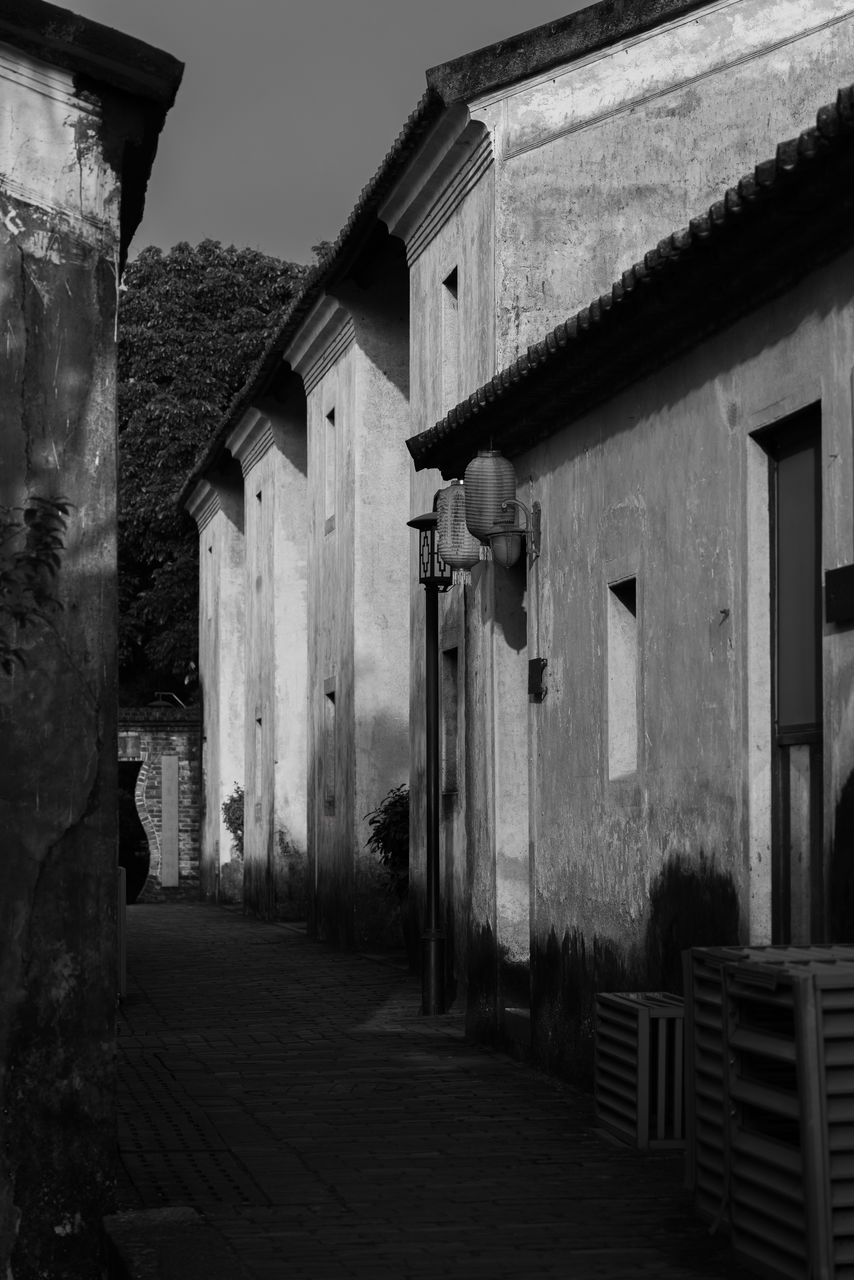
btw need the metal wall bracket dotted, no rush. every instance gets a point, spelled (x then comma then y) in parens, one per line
(536, 684)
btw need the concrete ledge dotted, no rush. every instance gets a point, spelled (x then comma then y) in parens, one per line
(174, 1243)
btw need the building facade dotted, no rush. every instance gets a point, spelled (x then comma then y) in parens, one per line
(688, 438)
(532, 174)
(81, 108)
(318, 543)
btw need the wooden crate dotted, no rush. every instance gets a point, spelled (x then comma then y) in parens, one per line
(705, 1089)
(639, 1067)
(789, 1101)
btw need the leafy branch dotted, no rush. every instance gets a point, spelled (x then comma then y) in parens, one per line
(32, 538)
(389, 838)
(232, 814)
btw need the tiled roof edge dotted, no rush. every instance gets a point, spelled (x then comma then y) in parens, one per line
(834, 126)
(371, 196)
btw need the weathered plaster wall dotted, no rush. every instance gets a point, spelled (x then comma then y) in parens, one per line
(358, 612)
(592, 165)
(596, 163)
(271, 446)
(58, 291)
(463, 241)
(147, 734)
(381, 573)
(657, 484)
(217, 508)
(331, 698)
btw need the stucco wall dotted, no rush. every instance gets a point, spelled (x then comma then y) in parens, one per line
(272, 449)
(466, 242)
(58, 291)
(594, 164)
(661, 483)
(331, 829)
(358, 601)
(218, 511)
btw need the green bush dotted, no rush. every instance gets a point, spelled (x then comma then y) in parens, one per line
(232, 813)
(389, 838)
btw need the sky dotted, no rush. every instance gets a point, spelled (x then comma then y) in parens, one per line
(287, 107)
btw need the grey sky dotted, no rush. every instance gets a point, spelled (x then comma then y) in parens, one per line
(288, 106)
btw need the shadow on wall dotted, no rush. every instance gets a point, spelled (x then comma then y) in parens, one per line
(691, 904)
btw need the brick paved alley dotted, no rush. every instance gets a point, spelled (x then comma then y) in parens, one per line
(295, 1099)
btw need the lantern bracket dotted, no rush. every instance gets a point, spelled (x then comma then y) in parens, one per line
(531, 527)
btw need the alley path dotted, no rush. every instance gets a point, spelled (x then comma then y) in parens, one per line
(294, 1097)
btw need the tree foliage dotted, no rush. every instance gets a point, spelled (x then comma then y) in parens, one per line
(31, 539)
(191, 324)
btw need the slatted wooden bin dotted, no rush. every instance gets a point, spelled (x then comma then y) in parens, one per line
(705, 1106)
(789, 1100)
(639, 1067)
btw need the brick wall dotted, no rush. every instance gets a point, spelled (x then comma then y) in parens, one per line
(148, 734)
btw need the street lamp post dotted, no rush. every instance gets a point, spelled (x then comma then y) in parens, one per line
(435, 576)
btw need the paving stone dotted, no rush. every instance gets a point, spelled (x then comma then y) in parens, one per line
(293, 1098)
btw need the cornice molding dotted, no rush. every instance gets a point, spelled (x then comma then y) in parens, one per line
(250, 439)
(43, 163)
(203, 504)
(321, 339)
(480, 160)
(452, 158)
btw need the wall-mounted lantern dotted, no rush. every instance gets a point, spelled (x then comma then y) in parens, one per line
(506, 542)
(490, 481)
(491, 506)
(457, 546)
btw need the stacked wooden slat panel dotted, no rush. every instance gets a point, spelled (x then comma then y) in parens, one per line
(770, 1103)
(639, 1067)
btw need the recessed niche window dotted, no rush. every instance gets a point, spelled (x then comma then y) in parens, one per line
(450, 341)
(450, 720)
(259, 755)
(622, 678)
(329, 747)
(329, 453)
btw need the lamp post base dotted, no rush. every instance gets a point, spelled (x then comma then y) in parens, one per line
(432, 972)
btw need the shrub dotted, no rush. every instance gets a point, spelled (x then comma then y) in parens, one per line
(389, 838)
(232, 813)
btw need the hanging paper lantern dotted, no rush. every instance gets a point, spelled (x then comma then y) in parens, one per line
(456, 545)
(489, 481)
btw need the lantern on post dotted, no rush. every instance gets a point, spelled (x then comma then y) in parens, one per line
(433, 572)
(435, 575)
